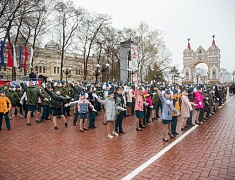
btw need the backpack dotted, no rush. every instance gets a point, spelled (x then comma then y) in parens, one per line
(83, 107)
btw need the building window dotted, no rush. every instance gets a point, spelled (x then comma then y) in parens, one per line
(54, 70)
(79, 70)
(44, 69)
(3, 68)
(58, 70)
(36, 68)
(40, 69)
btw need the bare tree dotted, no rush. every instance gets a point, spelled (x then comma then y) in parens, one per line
(88, 31)
(68, 19)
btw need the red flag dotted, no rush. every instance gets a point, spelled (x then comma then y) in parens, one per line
(26, 55)
(9, 57)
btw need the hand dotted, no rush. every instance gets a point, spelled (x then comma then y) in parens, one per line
(146, 104)
(206, 98)
(94, 95)
(200, 103)
(21, 102)
(151, 107)
(45, 99)
(178, 114)
(66, 105)
(123, 109)
(43, 85)
(94, 110)
(190, 108)
(195, 104)
(72, 99)
(9, 109)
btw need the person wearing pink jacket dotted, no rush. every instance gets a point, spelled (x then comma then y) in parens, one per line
(199, 105)
(139, 107)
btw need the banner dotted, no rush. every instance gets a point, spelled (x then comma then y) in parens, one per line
(2, 53)
(14, 56)
(9, 57)
(31, 57)
(134, 62)
(26, 55)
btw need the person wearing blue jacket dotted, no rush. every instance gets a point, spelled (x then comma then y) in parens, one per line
(167, 110)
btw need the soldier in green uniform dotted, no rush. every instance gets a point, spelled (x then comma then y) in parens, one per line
(65, 92)
(19, 106)
(13, 97)
(32, 99)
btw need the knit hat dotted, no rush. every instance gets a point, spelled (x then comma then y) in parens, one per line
(63, 82)
(190, 90)
(167, 92)
(175, 91)
(110, 92)
(2, 91)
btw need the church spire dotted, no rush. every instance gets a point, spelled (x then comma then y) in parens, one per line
(213, 41)
(189, 46)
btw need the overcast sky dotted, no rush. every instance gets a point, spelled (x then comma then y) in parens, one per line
(179, 20)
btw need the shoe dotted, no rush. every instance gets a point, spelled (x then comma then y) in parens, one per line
(110, 136)
(21, 116)
(8, 128)
(86, 129)
(104, 123)
(175, 133)
(142, 126)
(203, 120)
(171, 135)
(115, 134)
(192, 124)
(66, 124)
(187, 127)
(29, 124)
(166, 140)
(197, 123)
(184, 129)
(138, 129)
(81, 130)
(56, 127)
(38, 121)
(74, 124)
(42, 120)
(10, 118)
(47, 119)
(122, 132)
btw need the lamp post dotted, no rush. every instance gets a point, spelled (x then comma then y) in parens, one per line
(67, 72)
(101, 70)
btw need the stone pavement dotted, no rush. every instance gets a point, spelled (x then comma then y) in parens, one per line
(40, 152)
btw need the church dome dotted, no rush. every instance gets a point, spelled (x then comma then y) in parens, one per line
(52, 45)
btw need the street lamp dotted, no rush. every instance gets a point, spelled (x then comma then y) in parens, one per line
(67, 72)
(99, 70)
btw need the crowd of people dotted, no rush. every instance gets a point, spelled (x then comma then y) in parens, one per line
(146, 101)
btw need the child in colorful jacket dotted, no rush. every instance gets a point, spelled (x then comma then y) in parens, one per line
(5, 107)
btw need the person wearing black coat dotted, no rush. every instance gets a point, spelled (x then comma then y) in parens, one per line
(57, 103)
